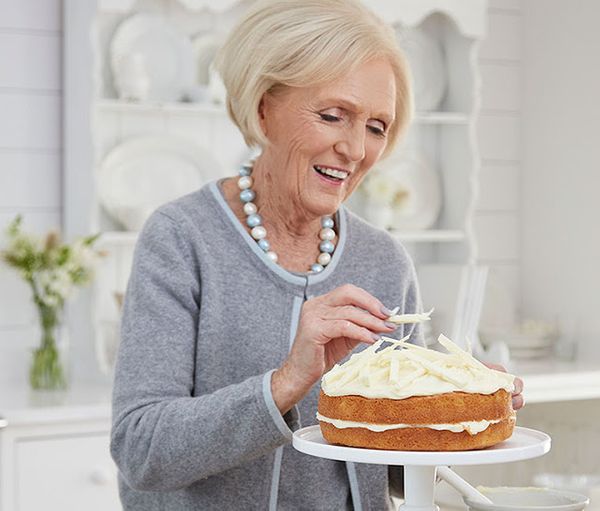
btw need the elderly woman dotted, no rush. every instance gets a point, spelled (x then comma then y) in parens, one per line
(244, 293)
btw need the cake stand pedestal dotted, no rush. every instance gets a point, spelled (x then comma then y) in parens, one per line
(420, 467)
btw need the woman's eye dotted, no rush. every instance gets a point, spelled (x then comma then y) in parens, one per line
(380, 132)
(329, 117)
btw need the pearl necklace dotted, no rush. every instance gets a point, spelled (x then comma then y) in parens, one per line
(259, 233)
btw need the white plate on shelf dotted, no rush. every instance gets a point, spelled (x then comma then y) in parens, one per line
(422, 184)
(140, 174)
(427, 64)
(168, 55)
(205, 46)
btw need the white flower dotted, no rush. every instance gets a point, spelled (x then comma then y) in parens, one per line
(61, 283)
(50, 300)
(44, 279)
(386, 187)
(82, 258)
(51, 268)
(54, 284)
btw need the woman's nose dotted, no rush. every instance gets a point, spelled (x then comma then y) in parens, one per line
(352, 146)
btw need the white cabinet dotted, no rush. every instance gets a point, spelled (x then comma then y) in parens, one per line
(441, 38)
(443, 137)
(56, 456)
(442, 132)
(67, 473)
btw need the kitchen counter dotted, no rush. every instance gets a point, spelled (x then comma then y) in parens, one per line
(550, 380)
(22, 406)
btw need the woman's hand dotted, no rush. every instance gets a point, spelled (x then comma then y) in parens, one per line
(517, 396)
(330, 327)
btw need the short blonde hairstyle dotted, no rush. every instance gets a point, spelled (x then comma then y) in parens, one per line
(299, 43)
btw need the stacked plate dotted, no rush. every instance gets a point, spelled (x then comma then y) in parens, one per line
(532, 340)
(527, 347)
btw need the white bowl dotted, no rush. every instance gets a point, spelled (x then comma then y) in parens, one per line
(583, 483)
(529, 499)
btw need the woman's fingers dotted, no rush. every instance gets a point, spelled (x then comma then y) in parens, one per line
(353, 295)
(518, 402)
(361, 317)
(517, 396)
(518, 386)
(496, 367)
(344, 328)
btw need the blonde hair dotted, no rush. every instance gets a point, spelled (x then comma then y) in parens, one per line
(298, 43)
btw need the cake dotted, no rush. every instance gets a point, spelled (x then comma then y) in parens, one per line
(399, 396)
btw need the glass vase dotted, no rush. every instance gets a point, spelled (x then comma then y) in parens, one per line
(48, 367)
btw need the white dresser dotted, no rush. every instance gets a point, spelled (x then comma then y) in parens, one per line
(54, 451)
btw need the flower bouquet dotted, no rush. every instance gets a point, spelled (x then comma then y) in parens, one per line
(52, 270)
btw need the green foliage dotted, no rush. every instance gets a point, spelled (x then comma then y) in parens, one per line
(51, 267)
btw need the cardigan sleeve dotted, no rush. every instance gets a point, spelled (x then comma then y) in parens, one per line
(163, 437)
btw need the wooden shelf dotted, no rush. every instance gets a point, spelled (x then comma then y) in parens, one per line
(118, 106)
(442, 118)
(430, 235)
(118, 238)
(80, 402)
(122, 6)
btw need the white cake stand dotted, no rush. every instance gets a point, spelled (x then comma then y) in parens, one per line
(420, 467)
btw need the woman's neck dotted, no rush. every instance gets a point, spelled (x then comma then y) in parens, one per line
(292, 233)
(281, 212)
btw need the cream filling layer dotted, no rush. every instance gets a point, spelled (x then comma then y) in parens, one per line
(471, 427)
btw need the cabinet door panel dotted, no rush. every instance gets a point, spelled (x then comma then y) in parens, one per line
(66, 473)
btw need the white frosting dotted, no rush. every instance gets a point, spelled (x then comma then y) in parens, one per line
(401, 370)
(472, 427)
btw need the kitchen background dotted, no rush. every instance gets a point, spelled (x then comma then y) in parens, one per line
(534, 219)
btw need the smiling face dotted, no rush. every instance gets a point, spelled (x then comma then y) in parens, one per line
(324, 139)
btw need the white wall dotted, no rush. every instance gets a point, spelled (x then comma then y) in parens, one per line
(560, 236)
(497, 208)
(30, 154)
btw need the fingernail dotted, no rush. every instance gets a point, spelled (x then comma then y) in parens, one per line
(375, 337)
(518, 403)
(389, 324)
(386, 311)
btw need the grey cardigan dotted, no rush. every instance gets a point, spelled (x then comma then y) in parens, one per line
(207, 318)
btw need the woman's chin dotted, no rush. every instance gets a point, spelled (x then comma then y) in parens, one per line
(324, 206)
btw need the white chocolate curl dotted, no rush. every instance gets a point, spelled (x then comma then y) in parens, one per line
(400, 319)
(401, 370)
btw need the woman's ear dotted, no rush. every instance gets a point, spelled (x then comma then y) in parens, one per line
(261, 115)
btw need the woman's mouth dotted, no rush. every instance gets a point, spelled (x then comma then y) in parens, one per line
(334, 176)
